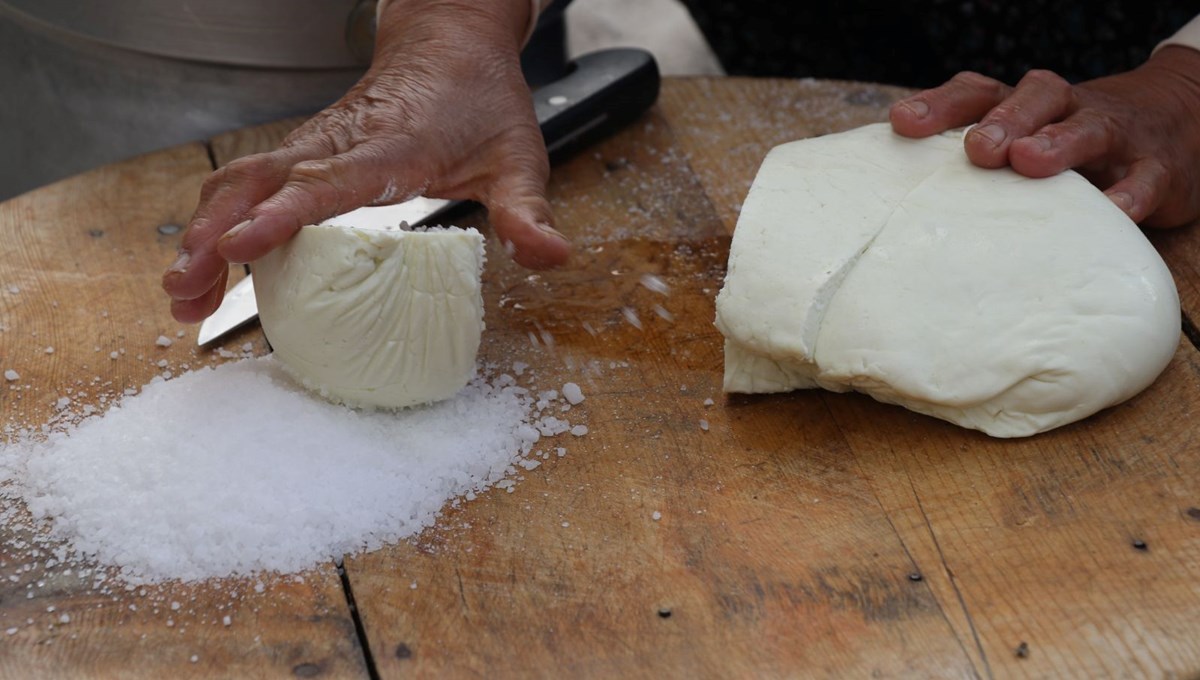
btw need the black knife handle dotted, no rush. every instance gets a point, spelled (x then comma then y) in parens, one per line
(602, 92)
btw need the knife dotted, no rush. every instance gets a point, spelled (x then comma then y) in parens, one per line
(602, 92)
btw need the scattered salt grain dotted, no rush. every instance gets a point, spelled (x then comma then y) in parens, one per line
(194, 658)
(572, 393)
(65, 618)
(226, 620)
(704, 425)
(579, 430)
(163, 341)
(709, 402)
(161, 363)
(655, 284)
(631, 316)
(566, 524)
(179, 333)
(11, 375)
(12, 631)
(656, 515)
(519, 367)
(175, 606)
(14, 290)
(257, 481)
(49, 350)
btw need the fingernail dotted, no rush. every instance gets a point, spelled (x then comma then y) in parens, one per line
(1043, 142)
(991, 132)
(237, 229)
(180, 264)
(551, 231)
(918, 108)
(1122, 200)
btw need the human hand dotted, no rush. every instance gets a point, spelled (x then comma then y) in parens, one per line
(443, 111)
(1136, 135)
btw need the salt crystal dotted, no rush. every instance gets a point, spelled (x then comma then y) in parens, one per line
(194, 658)
(566, 524)
(573, 394)
(560, 451)
(65, 618)
(163, 341)
(709, 402)
(226, 620)
(175, 606)
(179, 333)
(519, 367)
(412, 586)
(579, 430)
(632, 317)
(161, 363)
(656, 515)
(655, 284)
(49, 350)
(11, 375)
(12, 631)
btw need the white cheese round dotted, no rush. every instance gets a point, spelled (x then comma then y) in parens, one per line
(384, 318)
(866, 261)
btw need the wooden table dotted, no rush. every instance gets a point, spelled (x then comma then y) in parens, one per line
(802, 535)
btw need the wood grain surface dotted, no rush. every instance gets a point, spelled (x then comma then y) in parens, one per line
(799, 535)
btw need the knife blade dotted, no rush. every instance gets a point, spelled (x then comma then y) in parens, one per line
(602, 92)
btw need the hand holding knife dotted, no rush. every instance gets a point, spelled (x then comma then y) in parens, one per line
(602, 92)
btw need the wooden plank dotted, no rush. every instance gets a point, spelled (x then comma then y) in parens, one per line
(1020, 541)
(771, 556)
(80, 273)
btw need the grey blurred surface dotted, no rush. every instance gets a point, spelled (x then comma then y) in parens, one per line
(71, 105)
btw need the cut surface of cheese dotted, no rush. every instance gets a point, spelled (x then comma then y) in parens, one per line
(867, 261)
(384, 318)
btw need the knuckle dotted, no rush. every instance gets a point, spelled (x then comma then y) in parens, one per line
(1045, 78)
(256, 168)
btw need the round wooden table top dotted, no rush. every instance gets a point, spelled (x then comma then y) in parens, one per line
(801, 535)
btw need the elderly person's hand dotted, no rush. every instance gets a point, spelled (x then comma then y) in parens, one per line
(1135, 135)
(443, 111)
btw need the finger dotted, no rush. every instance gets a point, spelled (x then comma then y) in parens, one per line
(1140, 193)
(1041, 98)
(1077, 141)
(522, 218)
(313, 191)
(962, 100)
(197, 309)
(225, 198)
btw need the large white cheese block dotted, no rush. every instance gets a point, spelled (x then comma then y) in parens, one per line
(382, 318)
(871, 262)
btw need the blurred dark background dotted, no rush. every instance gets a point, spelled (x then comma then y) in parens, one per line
(923, 43)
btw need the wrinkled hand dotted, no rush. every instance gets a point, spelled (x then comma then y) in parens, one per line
(443, 112)
(1135, 135)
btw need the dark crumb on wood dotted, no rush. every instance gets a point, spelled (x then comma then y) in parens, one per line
(95, 233)
(664, 612)
(306, 670)
(1194, 513)
(403, 651)
(915, 576)
(1022, 650)
(1139, 544)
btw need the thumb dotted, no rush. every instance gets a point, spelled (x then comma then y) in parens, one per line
(523, 221)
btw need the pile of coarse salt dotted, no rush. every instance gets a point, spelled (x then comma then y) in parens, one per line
(235, 470)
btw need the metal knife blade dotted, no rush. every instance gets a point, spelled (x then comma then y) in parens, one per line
(603, 91)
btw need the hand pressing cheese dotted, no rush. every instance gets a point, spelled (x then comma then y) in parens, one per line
(375, 318)
(866, 261)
